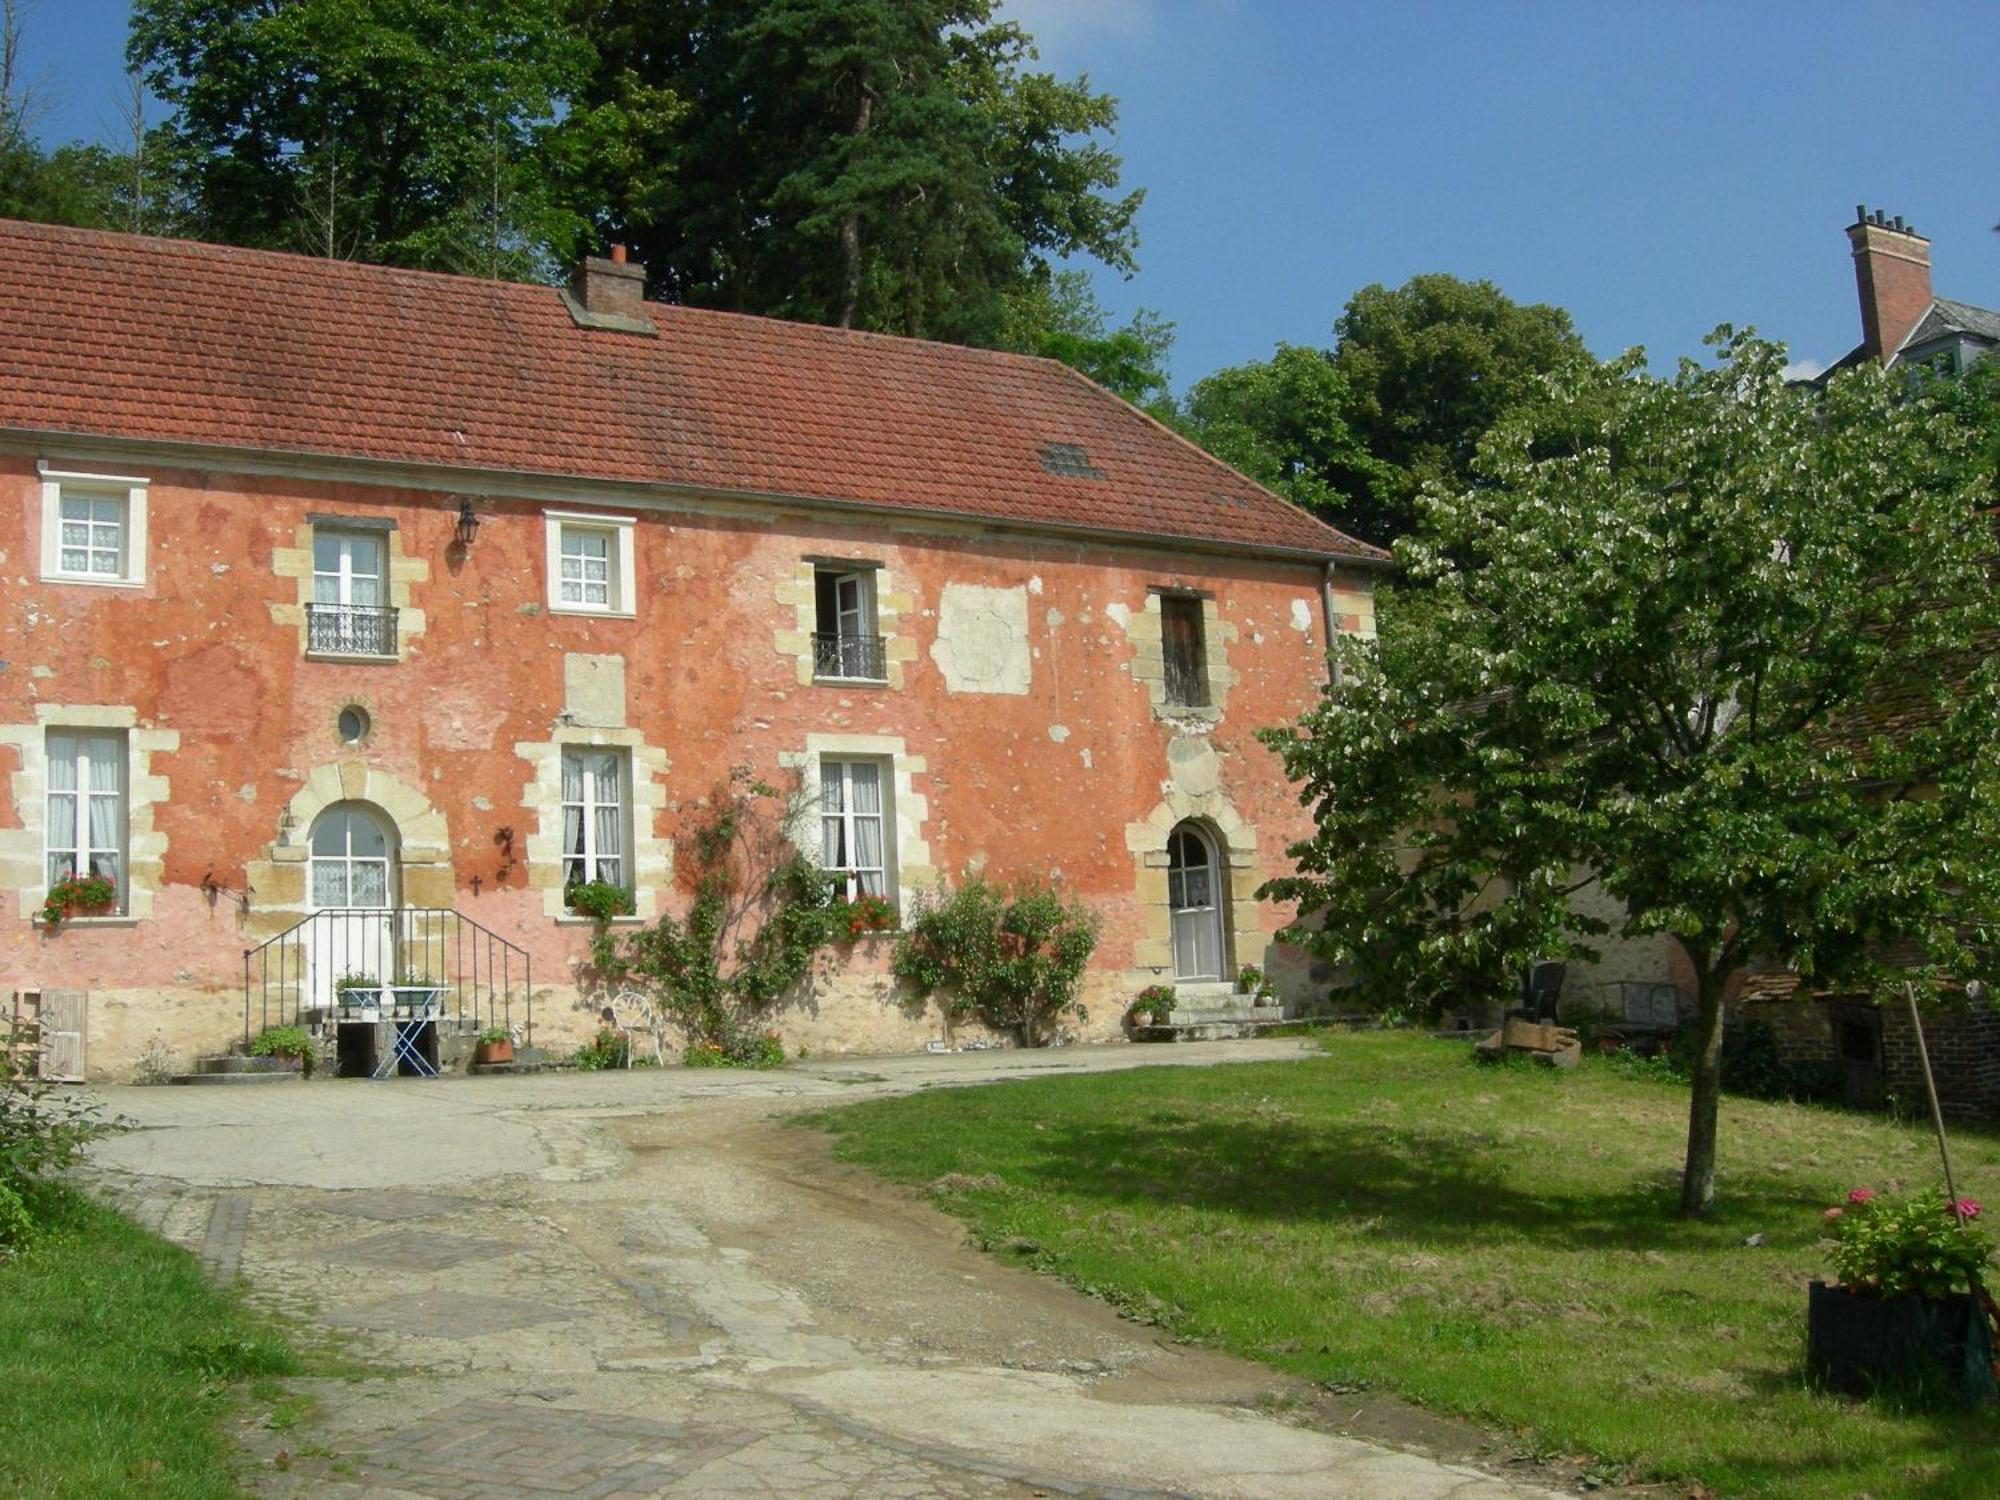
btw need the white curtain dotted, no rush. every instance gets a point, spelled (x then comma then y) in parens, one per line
(609, 821)
(867, 790)
(572, 795)
(832, 826)
(368, 882)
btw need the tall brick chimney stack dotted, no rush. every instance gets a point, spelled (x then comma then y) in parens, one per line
(611, 287)
(1892, 271)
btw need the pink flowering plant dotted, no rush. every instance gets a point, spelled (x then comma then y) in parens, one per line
(1925, 1245)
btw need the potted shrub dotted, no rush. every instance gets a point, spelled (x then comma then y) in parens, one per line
(288, 1047)
(864, 914)
(495, 1045)
(1902, 1313)
(79, 895)
(599, 900)
(1152, 1006)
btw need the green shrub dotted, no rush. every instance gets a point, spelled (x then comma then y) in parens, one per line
(1012, 958)
(42, 1133)
(762, 916)
(764, 1050)
(1919, 1245)
(608, 1049)
(286, 1042)
(1152, 1006)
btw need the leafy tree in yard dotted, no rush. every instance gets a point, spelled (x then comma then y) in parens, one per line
(1059, 317)
(434, 133)
(883, 164)
(1727, 659)
(1284, 422)
(1416, 377)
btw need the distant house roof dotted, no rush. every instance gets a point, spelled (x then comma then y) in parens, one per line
(128, 337)
(1942, 318)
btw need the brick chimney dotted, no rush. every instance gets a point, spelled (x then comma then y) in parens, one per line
(613, 288)
(1892, 271)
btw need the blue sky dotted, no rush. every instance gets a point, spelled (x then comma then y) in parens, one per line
(1656, 168)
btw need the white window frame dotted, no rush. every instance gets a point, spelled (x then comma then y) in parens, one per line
(619, 533)
(884, 816)
(867, 624)
(81, 792)
(130, 492)
(588, 809)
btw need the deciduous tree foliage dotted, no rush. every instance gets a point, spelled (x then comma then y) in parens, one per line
(1059, 317)
(884, 164)
(1416, 377)
(1730, 659)
(445, 134)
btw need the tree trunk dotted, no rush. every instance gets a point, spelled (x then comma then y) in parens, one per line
(850, 230)
(1698, 1175)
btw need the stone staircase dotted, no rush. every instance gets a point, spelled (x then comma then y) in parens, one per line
(1212, 1013)
(234, 1070)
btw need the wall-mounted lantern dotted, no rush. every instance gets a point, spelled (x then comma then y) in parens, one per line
(468, 523)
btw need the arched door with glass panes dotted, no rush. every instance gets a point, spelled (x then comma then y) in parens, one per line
(351, 885)
(1195, 896)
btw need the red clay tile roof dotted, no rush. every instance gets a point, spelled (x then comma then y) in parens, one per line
(123, 336)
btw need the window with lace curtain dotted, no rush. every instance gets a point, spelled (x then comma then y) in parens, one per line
(86, 807)
(595, 818)
(851, 826)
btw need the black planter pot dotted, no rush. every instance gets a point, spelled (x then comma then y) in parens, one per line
(1921, 1345)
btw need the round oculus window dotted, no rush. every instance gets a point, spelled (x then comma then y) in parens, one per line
(353, 724)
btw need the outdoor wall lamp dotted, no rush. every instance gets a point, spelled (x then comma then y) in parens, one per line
(468, 523)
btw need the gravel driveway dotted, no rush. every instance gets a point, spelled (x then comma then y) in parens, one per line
(645, 1284)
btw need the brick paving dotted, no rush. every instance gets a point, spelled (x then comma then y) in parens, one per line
(222, 1245)
(492, 1450)
(416, 1250)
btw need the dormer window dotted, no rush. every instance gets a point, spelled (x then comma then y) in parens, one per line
(847, 645)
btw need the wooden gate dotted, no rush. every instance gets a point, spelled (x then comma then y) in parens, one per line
(48, 1033)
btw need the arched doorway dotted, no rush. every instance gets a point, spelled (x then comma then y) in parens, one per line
(1196, 898)
(351, 883)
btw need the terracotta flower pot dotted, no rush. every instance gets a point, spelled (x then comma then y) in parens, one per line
(488, 1053)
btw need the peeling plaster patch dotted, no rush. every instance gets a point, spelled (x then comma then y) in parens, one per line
(1193, 767)
(484, 804)
(1059, 732)
(218, 568)
(1053, 618)
(1302, 614)
(1086, 757)
(1119, 615)
(982, 639)
(247, 792)
(1035, 584)
(39, 672)
(594, 690)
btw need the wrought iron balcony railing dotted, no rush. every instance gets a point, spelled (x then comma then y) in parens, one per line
(859, 656)
(350, 629)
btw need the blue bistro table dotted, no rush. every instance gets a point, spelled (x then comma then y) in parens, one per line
(409, 1009)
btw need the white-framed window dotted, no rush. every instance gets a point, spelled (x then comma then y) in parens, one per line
(590, 564)
(596, 818)
(350, 860)
(86, 827)
(847, 643)
(349, 614)
(93, 529)
(853, 826)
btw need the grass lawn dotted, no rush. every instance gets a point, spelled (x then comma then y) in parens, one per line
(119, 1365)
(1498, 1242)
